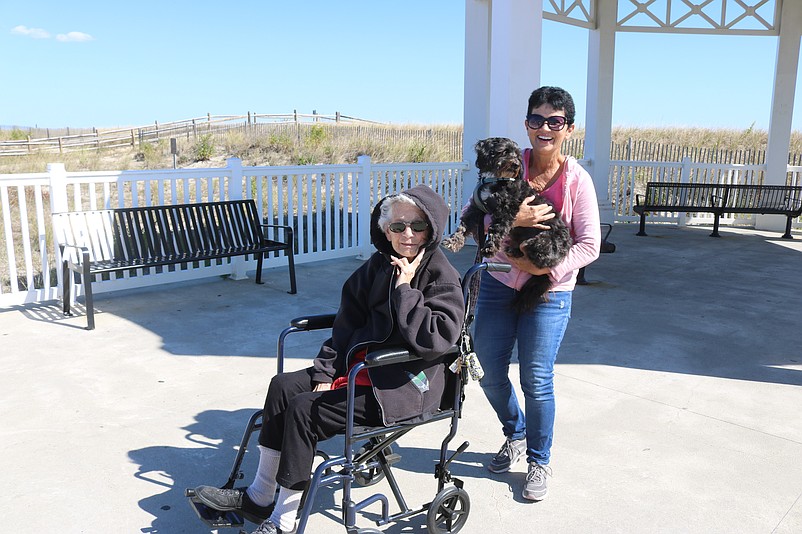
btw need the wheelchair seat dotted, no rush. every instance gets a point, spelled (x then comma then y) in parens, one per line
(368, 453)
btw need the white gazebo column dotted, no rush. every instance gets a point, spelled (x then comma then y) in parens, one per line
(476, 110)
(502, 68)
(782, 106)
(599, 111)
(516, 31)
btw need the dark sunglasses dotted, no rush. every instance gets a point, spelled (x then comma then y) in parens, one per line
(535, 122)
(399, 227)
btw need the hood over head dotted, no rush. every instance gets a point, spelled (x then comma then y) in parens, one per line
(430, 203)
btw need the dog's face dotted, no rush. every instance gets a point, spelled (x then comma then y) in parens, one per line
(500, 157)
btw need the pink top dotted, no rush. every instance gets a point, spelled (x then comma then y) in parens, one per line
(574, 198)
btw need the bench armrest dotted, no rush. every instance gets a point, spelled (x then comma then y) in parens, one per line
(314, 322)
(282, 226)
(79, 247)
(609, 229)
(389, 356)
(288, 232)
(83, 252)
(638, 198)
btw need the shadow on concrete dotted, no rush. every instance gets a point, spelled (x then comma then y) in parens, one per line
(682, 302)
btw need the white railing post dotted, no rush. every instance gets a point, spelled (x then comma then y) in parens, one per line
(58, 203)
(235, 179)
(364, 175)
(684, 178)
(58, 187)
(234, 165)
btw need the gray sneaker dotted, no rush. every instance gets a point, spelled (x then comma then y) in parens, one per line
(509, 453)
(235, 499)
(536, 488)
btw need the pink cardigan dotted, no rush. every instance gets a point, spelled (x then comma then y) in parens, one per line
(580, 211)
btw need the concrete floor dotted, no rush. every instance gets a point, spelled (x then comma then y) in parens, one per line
(679, 385)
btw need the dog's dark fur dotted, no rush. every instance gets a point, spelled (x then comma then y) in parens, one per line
(501, 157)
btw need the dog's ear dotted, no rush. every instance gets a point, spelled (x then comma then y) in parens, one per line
(484, 155)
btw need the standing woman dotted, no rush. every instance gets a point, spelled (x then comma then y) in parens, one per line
(539, 332)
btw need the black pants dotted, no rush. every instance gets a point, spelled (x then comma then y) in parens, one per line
(296, 418)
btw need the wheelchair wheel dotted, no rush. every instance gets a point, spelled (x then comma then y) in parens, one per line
(371, 475)
(448, 511)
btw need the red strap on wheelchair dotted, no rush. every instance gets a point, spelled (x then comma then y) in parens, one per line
(362, 379)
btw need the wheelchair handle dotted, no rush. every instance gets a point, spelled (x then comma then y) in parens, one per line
(501, 267)
(484, 266)
(388, 356)
(313, 322)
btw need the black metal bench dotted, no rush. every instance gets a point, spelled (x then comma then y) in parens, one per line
(668, 196)
(719, 199)
(107, 241)
(764, 200)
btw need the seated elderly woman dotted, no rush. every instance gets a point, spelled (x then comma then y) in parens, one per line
(407, 295)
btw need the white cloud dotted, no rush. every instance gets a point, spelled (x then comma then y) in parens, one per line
(35, 33)
(74, 37)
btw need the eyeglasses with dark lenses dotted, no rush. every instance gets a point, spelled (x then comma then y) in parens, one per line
(400, 226)
(536, 121)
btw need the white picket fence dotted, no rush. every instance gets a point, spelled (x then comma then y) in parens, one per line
(328, 207)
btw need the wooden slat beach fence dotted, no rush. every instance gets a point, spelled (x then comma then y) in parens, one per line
(343, 129)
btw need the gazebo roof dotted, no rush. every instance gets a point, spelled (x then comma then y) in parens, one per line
(732, 17)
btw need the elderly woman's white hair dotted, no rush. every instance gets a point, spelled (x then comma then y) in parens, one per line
(387, 209)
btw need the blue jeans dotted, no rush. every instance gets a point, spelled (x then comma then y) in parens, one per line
(538, 333)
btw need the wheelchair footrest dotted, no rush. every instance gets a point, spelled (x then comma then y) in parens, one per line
(215, 518)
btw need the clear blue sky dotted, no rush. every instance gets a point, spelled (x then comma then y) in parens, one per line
(91, 63)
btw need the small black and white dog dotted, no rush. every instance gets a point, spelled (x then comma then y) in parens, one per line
(500, 192)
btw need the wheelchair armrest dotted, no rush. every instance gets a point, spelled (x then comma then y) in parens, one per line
(314, 322)
(389, 356)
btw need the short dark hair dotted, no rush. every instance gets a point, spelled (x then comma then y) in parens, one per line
(556, 97)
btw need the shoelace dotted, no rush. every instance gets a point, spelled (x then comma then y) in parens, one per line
(508, 449)
(538, 473)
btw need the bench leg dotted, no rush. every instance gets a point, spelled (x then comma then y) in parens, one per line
(86, 279)
(580, 277)
(66, 278)
(259, 262)
(291, 261)
(787, 234)
(715, 225)
(642, 227)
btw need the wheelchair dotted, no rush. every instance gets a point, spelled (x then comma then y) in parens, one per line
(368, 454)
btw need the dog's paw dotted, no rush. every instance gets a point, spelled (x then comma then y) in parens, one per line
(454, 242)
(451, 246)
(488, 251)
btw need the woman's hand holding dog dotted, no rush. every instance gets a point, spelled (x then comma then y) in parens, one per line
(533, 215)
(523, 264)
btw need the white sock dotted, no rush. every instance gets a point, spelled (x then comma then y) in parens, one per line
(286, 509)
(262, 490)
